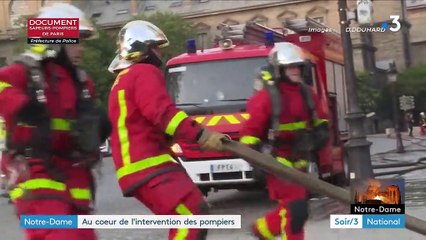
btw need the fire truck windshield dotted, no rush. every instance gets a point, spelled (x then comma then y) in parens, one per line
(213, 82)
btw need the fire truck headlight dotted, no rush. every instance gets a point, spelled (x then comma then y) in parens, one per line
(176, 148)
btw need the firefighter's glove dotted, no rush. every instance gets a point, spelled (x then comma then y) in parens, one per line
(18, 169)
(211, 140)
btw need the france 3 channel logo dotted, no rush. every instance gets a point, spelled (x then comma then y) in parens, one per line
(376, 203)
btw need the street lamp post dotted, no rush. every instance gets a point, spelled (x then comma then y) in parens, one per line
(392, 77)
(406, 34)
(358, 147)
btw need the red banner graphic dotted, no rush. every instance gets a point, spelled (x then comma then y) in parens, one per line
(54, 29)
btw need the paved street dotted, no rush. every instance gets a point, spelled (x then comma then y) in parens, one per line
(253, 204)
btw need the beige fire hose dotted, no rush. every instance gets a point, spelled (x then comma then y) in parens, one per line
(267, 163)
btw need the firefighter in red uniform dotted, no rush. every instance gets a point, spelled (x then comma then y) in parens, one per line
(3, 174)
(54, 129)
(144, 120)
(3, 155)
(8, 175)
(4, 178)
(422, 123)
(286, 65)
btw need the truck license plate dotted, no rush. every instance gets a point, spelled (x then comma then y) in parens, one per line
(225, 167)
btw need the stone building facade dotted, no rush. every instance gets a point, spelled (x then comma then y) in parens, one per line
(206, 15)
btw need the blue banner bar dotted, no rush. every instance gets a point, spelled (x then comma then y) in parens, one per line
(383, 221)
(48, 221)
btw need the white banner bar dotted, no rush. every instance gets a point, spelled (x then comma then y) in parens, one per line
(159, 221)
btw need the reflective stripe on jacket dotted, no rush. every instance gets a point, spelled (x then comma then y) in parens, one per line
(30, 188)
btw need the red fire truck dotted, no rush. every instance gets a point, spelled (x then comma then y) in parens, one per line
(213, 85)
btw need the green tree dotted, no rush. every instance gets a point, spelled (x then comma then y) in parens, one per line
(2, 62)
(368, 94)
(22, 44)
(98, 55)
(177, 30)
(411, 82)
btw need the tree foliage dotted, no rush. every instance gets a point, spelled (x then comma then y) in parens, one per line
(2, 62)
(97, 56)
(412, 82)
(21, 44)
(368, 94)
(177, 30)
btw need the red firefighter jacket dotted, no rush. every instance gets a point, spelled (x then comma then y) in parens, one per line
(294, 116)
(144, 119)
(4, 162)
(61, 104)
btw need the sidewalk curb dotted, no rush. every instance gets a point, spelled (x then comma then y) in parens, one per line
(407, 138)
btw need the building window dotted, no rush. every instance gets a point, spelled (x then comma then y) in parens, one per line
(203, 37)
(176, 4)
(260, 19)
(415, 4)
(230, 22)
(202, 40)
(123, 11)
(149, 7)
(11, 7)
(96, 15)
(319, 19)
(286, 15)
(318, 14)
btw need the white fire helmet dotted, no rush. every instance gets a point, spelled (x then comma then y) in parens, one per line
(285, 53)
(62, 10)
(134, 41)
